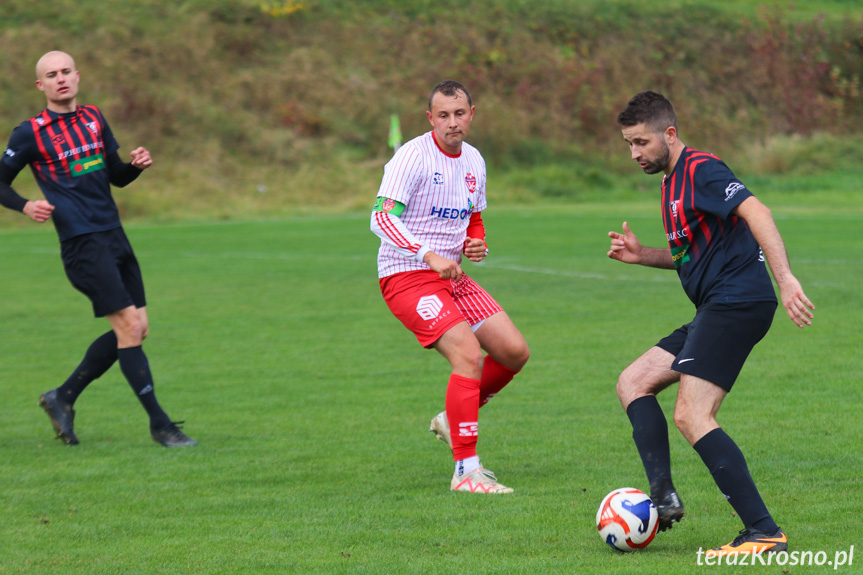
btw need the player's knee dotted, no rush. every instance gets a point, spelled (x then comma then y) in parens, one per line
(131, 334)
(685, 421)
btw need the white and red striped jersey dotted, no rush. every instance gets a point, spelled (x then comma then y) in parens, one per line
(439, 191)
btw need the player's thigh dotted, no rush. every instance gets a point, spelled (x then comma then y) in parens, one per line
(647, 375)
(90, 262)
(503, 341)
(423, 303)
(721, 338)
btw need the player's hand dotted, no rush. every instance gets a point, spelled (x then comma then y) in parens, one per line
(625, 247)
(38, 211)
(796, 304)
(141, 158)
(446, 268)
(475, 249)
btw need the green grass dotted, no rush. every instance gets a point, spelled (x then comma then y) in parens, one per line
(311, 405)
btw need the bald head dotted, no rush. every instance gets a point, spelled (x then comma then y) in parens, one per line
(51, 60)
(57, 77)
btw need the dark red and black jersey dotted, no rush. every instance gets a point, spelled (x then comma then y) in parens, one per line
(68, 156)
(714, 251)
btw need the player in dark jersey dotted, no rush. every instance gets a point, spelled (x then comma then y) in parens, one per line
(718, 235)
(73, 156)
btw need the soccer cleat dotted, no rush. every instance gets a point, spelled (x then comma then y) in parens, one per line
(480, 480)
(669, 508)
(171, 436)
(751, 541)
(440, 427)
(61, 414)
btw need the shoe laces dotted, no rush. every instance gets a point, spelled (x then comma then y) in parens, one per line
(174, 427)
(741, 537)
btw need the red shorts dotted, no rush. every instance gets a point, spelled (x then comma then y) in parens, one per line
(429, 306)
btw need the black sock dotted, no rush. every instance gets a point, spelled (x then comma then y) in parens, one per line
(650, 432)
(728, 467)
(136, 368)
(99, 358)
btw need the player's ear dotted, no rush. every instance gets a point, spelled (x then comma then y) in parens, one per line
(670, 135)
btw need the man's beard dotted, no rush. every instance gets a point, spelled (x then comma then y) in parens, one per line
(658, 165)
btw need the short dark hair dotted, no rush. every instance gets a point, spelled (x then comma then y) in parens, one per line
(649, 108)
(449, 88)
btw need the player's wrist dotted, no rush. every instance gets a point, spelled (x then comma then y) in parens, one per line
(424, 254)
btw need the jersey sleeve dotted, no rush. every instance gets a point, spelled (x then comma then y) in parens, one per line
(403, 175)
(108, 139)
(389, 228)
(19, 151)
(720, 190)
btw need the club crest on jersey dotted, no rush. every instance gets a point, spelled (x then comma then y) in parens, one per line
(675, 207)
(470, 180)
(58, 139)
(388, 205)
(438, 179)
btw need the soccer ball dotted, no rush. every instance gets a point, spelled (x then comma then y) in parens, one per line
(627, 519)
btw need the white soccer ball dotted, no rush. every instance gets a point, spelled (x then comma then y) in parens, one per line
(627, 519)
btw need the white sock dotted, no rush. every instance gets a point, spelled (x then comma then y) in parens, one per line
(465, 466)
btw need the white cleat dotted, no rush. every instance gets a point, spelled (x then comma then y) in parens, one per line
(480, 480)
(440, 427)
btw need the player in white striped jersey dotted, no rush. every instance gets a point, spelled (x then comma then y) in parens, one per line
(427, 215)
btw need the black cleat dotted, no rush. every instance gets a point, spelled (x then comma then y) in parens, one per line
(171, 436)
(669, 507)
(61, 414)
(752, 541)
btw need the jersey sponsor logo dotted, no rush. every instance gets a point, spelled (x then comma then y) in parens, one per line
(678, 235)
(429, 306)
(680, 255)
(451, 213)
(438, 179)
(470, 180)
(79, 150)
(732, 190)
(87, 165)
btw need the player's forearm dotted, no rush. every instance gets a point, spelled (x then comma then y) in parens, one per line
(120, 173)
(765, 232)
(657, 258)
(389, 228)
(9, 198)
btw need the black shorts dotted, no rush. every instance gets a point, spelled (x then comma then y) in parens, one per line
(103, 267)
(715, 344)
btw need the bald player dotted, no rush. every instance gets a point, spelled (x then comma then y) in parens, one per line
(74, 158)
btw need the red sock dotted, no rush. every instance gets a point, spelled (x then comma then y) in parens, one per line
(462, 411)
(494, 378)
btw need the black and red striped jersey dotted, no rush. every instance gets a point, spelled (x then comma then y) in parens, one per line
(716, 256)
(68, 156)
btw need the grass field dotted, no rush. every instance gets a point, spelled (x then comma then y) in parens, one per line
(311, 405)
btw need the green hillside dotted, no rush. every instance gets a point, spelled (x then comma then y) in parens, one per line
(255, 108)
